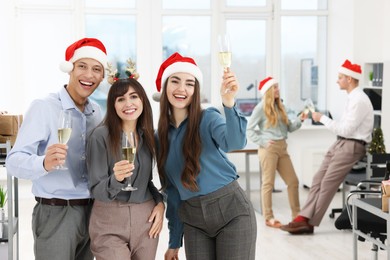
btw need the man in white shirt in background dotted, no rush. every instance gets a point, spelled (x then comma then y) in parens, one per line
(354, 131)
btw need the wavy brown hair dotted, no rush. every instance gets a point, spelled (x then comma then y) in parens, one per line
(114, 123)
(192, 144)
(273, 108)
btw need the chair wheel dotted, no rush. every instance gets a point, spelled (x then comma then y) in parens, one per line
(331, 215)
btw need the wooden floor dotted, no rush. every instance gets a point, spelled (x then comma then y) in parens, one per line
(326, 243)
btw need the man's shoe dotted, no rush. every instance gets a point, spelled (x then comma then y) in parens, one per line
(297, 228)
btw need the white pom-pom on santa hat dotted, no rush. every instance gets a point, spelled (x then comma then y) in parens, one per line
(176, 63)
(66, 66)
(156, 96)
(84, 48)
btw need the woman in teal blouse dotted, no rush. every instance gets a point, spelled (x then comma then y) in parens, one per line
(204, 200)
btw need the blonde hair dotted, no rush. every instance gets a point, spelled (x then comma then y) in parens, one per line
(273, 108)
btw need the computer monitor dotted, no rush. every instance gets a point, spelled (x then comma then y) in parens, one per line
(246, 105)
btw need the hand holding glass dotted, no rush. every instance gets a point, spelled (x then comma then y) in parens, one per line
(129, 149)
(64, 131)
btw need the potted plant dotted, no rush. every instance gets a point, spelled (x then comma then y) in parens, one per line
(370, 78)
(3, 200)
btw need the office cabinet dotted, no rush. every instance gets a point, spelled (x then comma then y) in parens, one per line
(12, 223)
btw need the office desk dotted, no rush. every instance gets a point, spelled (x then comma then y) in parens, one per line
(374, 206)
(247, 152)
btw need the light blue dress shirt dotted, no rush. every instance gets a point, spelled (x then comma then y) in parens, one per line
(40, 130)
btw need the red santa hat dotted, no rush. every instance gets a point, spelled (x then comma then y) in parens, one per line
(352, 70)
(84, 48)
(176, 63)
(265, 84)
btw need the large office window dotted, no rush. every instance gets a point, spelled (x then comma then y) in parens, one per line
(118, 34)
(281, 38)
(248, 40)
(190, 36)
(303, 60)
(303, 37)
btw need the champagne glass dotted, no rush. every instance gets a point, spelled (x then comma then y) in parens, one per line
(225, 53)
(64, 131)
(309, 106)
(129, 150)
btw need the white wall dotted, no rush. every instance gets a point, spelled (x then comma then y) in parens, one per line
(371, 41)
(359, 30)
(8, 68)
(340, 48)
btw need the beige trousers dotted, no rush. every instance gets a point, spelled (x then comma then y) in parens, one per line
(119, 230)
(276, 158)
(337, 163)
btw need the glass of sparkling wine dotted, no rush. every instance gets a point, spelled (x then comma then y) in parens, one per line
(225, 53)
(129, 150)
(309, 106)
(64, 131)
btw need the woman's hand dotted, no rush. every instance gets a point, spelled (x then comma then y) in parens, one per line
(156, 217)
(122, 170)
(270, 142)
(303, 116)
(172, 254)
(229, 88)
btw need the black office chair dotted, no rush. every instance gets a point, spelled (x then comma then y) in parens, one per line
(367, 173)
(368, 223)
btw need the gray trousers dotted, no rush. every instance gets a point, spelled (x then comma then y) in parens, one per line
(338, 162)
(220, 225)
(61, 232)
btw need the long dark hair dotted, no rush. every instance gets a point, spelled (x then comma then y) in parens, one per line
(192, 144)
(114, 123)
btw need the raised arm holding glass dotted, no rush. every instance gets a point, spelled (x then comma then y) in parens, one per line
(205, 203)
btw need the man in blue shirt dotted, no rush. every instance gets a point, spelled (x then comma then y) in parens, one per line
(61, 215)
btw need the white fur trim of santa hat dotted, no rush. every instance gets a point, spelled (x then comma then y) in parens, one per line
(265, 84)
(84, 48)
(352, 70)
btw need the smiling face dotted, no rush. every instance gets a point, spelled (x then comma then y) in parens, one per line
(84, 79)
(129, 106)
(180, 89)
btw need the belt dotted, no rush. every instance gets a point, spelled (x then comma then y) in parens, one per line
(61, 202)
(352, 139)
